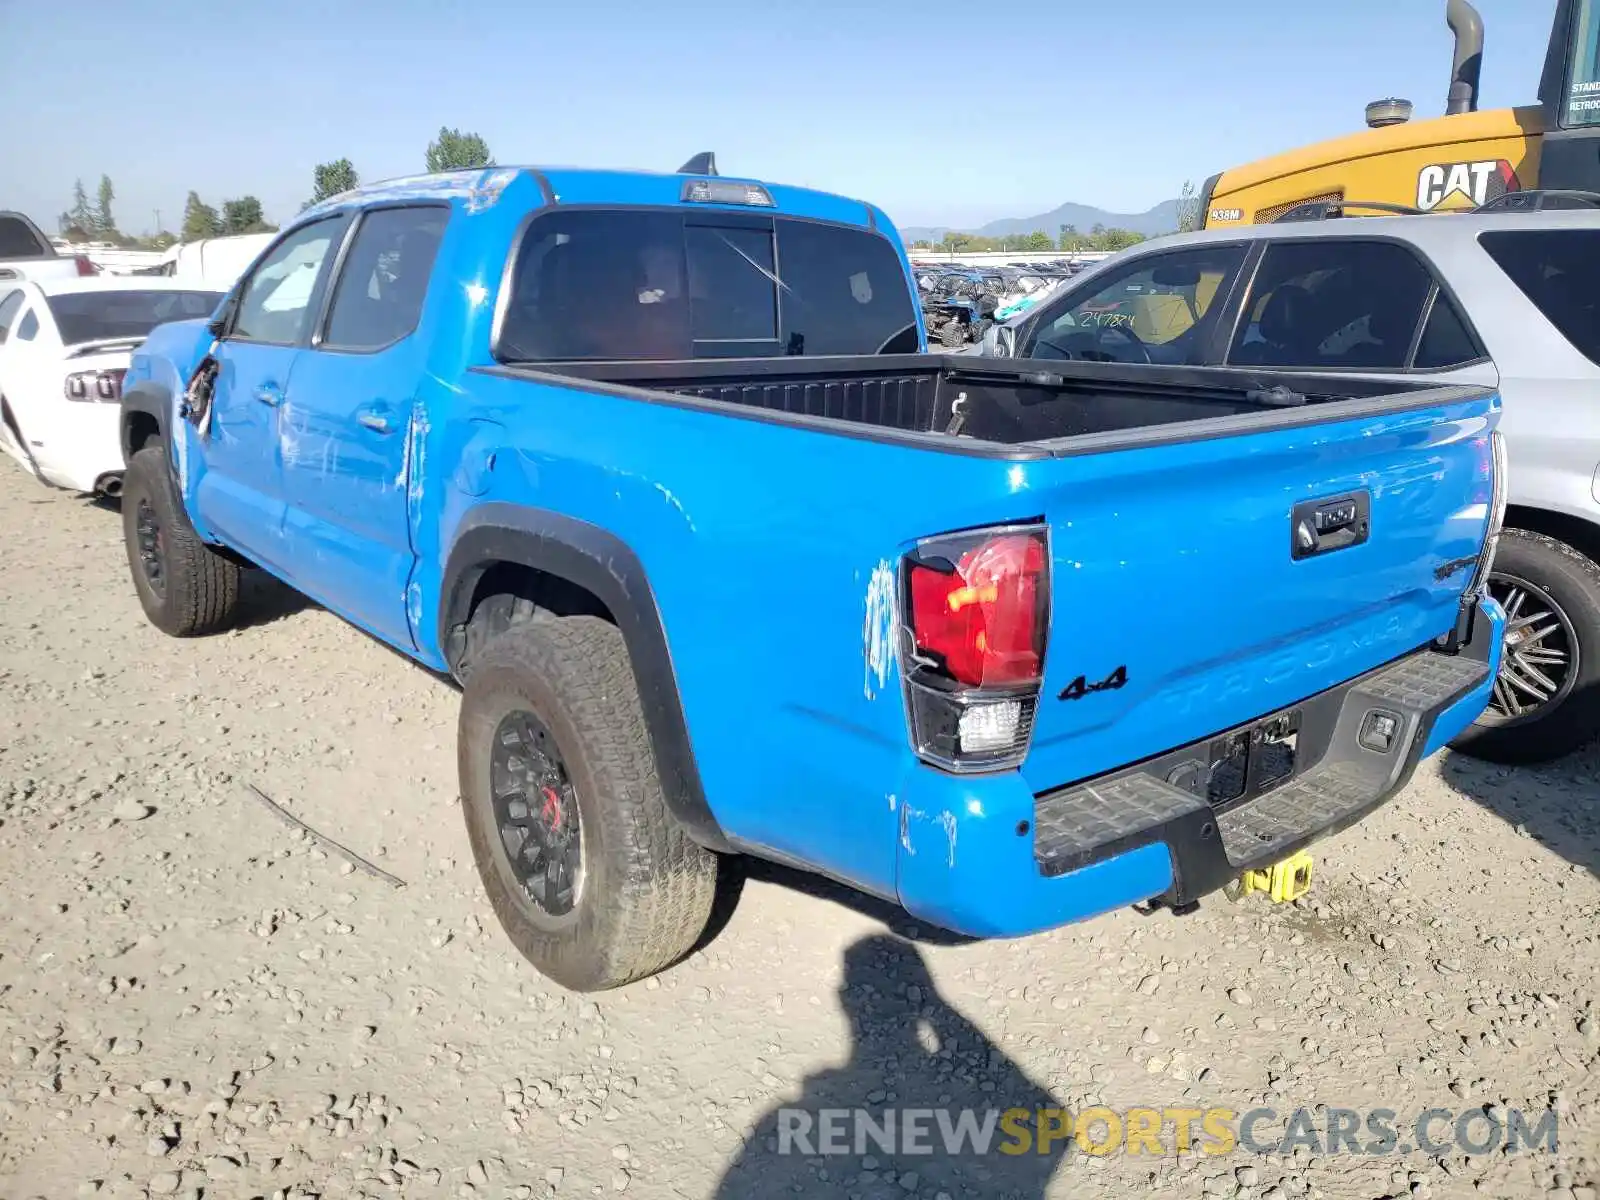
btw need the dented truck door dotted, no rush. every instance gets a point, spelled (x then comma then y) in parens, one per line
(348, 429)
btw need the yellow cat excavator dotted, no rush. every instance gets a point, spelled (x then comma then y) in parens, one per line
(1461, 160)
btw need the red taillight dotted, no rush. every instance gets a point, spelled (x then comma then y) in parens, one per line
(85, 267)
(984, 619)
(977, 608)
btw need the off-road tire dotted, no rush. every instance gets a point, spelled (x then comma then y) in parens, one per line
(647, 887)
(201, 592)
(1572, 582)
(953, 335)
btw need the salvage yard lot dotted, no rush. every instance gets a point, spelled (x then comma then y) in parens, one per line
(195, 1000)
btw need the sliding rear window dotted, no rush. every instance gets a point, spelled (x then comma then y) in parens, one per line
(655, 285)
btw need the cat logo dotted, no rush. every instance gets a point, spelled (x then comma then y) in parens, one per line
(1468, 184)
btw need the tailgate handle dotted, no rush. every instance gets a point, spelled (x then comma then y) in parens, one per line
(1332, 523)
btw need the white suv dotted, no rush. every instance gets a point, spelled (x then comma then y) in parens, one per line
(1506, 299)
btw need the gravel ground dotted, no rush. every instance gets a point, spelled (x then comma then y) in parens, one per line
(194, 1000)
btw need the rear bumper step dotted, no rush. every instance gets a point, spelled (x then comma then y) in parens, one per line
(1340, 776)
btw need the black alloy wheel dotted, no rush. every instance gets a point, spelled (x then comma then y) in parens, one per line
(536, 814)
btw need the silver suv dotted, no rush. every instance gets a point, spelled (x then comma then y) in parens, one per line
(1508, 300)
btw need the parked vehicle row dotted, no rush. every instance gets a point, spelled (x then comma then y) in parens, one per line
(960, 304)
(1497, 299)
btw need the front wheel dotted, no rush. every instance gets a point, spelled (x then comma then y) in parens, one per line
(186, 588)
(591, 876)
(1546, 699)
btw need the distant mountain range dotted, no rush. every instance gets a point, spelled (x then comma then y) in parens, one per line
(1163, 218)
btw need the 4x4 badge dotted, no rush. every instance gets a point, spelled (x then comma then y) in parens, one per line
(1081, 687)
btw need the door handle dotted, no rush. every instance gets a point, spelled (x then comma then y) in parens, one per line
(269, 394)
(375, 420)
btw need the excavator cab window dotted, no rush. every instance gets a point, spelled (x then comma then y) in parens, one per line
(1570, 87)
(1583, 75)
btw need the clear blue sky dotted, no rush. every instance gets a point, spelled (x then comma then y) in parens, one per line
(944, 112)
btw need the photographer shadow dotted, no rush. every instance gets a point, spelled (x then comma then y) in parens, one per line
(909, 1051)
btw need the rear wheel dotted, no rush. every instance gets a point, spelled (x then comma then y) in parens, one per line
(1546, 700)
(186, 588)
(591, 876)
(952, 335)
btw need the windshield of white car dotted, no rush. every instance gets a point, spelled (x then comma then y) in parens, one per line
(101, 316)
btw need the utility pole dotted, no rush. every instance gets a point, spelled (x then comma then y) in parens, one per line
(158, 220)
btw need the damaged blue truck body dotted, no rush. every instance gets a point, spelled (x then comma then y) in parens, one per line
(657, 467)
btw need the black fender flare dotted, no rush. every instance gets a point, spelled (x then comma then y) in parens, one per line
(598, 561)
(149, 399)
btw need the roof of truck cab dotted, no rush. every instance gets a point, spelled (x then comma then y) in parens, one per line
(480, 189)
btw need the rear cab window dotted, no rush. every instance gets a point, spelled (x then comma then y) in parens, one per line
(1557, 270)
(19, 239)
(1351, 305)
(662, 285)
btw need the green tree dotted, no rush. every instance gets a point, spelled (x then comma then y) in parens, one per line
(1114, 239)
(1190, 217)
(1072, 241)
(244, 216)
(453, 150)
(956, 243)
(330, 179)
(81, 215)
(200, 220)
(104, 223)
(1039, 240)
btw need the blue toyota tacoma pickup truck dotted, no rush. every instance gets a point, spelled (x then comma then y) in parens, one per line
(657, 467)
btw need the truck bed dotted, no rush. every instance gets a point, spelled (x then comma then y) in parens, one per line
(1005, 402)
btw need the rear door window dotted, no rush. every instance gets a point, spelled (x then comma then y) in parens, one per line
(1334, 303)
(1559, 271)
(384, 281)
(665, 285)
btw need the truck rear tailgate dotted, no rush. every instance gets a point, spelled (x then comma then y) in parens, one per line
(1200, 584)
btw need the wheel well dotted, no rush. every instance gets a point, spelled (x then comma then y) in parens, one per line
(138, 431)
(1583, 536)
(507, 592)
